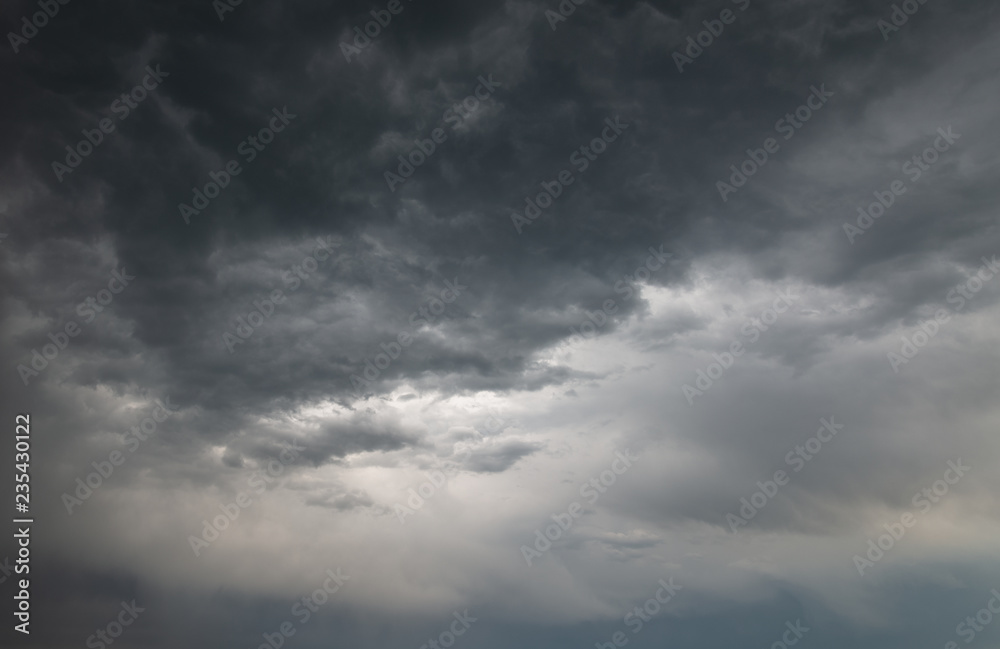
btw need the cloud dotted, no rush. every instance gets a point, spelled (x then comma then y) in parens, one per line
(507, 384)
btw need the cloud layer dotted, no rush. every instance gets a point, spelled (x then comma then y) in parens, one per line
(411, 299)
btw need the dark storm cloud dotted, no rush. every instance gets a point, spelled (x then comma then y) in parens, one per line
(547, 139)
(336, 442)
(499, 459)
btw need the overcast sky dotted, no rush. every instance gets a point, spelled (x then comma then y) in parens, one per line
(513, 316)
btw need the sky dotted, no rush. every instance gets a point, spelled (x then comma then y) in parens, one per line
(554, 325)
